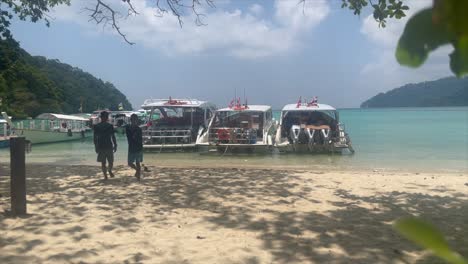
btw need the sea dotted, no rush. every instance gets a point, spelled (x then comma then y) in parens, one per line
(400, 139)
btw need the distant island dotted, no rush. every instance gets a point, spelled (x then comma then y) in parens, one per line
(448, 91)
(30, 85)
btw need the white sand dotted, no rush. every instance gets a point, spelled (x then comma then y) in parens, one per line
(225, 215)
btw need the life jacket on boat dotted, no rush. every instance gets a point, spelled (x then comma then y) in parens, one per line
(223, 134)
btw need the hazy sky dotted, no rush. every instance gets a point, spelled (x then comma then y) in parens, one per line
(272, 49)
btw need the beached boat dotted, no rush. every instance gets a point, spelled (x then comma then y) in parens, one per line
(51, 128)
(120, 119)
(240, 128)
(4, 134)
(175, 124)
(311, 127)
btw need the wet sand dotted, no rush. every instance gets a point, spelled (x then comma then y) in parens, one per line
(227, 215)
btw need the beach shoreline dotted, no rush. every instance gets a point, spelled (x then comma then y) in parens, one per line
(226, 214)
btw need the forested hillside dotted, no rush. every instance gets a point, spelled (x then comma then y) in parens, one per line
(30, 85)
(443, 92)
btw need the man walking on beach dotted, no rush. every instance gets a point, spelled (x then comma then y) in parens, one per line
(135, 145)
(105, 143)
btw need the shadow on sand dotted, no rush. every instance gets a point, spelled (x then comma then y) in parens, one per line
(237, 199)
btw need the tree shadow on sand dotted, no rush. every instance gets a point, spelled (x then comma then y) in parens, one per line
(252, 200)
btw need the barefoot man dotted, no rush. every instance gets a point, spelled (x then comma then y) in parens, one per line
(135, 145)
(105, 143)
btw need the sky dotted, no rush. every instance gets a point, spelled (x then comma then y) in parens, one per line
(275, 51)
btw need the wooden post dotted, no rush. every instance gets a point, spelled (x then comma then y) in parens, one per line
(18, 175)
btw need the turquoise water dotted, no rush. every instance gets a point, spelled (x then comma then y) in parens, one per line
(419, 139)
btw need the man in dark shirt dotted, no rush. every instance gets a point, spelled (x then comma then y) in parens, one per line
(135, 145)
(105, 143)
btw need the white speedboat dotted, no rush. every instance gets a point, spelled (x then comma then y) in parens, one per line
(119, 119)
(240, 128)
(311, 127)
(51, 128)
(175, 124)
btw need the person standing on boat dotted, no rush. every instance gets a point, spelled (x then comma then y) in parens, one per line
(105, 144)
(135, 145)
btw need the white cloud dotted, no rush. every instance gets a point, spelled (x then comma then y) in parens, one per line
(256, 9)
(244, 34)
(384, 69)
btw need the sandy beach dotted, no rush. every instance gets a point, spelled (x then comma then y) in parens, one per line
(227, 215)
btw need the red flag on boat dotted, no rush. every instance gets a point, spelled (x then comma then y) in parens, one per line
(299, 102)
(231, 104)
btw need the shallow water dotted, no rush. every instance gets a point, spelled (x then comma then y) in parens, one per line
(416, 139)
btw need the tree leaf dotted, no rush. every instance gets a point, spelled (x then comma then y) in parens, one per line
(419, 38)
(459, 57)
(427, 236)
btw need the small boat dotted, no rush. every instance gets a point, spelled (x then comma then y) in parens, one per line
(51, 128)
(175, 124)
(311, 127)
(4, 134)
(120, 119)
(95, 117)
(240, 128)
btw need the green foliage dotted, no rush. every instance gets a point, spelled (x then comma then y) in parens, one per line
(382, 9)
(34, 10)
(33, 85)
(419, 39)
(444, 92)
(445, 23)
(428, 237)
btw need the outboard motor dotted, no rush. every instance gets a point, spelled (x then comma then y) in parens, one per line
(294, 134)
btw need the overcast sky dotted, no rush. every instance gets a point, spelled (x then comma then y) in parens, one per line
(275, 50)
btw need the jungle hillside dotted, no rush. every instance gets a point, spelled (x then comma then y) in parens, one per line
(31, 85)
(448, 91)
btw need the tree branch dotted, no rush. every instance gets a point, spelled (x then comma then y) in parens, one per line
(104, 13)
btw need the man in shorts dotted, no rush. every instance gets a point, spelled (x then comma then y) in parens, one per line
(135, 145)
(105, 143)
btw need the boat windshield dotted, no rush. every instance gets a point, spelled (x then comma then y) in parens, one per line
(309, 118)
(238, 119)
(177, 116)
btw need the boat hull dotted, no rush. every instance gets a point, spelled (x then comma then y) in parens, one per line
(235, 148)
(168, 147)
(43, 137)
(4, 143)
(305, 148)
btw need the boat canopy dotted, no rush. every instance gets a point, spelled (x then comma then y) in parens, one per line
(122, 113)
(155, 103)
(249, 108)
(51, 116)
(305, 107)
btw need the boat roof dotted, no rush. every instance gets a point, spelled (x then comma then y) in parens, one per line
(251, 108)
(126, 113)
(151, 103)
(52, 116)
(304, 107)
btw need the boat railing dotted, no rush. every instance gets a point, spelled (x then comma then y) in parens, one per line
(168, 133)
(232, 135)
(4, 131)
(49, 125)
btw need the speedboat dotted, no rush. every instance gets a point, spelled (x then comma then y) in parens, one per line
(175, 124)
(4, 134)
(240, 127)
(311, 127)
(51, 128)
(120, 119)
